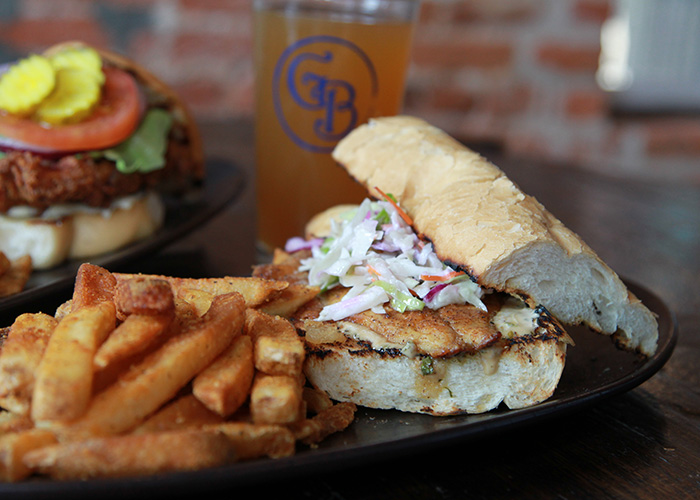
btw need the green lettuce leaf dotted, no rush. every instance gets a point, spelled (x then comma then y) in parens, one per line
(145, 150)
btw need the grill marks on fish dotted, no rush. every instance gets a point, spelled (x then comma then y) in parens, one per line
(437, 333)
(430, 332)
(472, 324)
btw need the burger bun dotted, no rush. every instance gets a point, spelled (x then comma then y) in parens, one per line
(82, 233)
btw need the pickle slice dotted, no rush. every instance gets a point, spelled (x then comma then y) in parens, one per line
(85, 58)
(26, 84)
(74, 96)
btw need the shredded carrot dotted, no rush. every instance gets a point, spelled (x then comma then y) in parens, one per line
(447, 277)
(373, 272)
(403, 214)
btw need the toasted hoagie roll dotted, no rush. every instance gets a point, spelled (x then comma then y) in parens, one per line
(482, 223)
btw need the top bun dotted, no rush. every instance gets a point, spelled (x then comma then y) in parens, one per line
(481, 222)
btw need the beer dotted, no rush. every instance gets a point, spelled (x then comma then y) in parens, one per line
(319, 75)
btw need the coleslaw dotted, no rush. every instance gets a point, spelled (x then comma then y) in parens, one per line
(375, 253)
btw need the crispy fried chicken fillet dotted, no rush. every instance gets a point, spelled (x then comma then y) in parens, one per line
(28, 179)
(482, 223)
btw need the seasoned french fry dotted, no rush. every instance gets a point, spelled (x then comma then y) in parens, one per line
(64, 378)
(184, 412)
(142, 295)
(184, 315)
(133, 336)
(15, 278)
(21, 354)
(280, 256)
(275, 399)
(255, 441)
(279, 355)
(224, 385)
(200, 299)
(255, 291)
(283, 271)
(290, 299)
(14, 422)
(316, 400)
(282, 351)
(129, 350)
(13, 448)
(326, 422)
(184, 311)
(93, 284)
(285, 267)
(259, 323)
(149, 384)
(132, 454)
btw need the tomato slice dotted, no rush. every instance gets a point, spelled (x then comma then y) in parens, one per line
(113, 120)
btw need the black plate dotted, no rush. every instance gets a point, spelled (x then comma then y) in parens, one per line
(594, 370)
(224, 183)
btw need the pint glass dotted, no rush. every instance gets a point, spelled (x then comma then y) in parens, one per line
(323, 67)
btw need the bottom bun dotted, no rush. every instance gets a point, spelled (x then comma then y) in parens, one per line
(519, 374)
(81, 233)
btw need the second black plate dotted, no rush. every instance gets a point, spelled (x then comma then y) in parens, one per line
(224, 184)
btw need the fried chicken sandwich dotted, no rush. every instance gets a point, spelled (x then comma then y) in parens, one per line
(89, 140)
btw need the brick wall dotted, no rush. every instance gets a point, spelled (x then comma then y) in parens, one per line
(515, 74)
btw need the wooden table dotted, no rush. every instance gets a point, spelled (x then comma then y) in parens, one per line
(641, 444)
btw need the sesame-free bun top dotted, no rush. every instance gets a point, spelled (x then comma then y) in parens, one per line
(481, 222)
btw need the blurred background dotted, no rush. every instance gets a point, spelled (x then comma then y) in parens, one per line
(606, 85)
